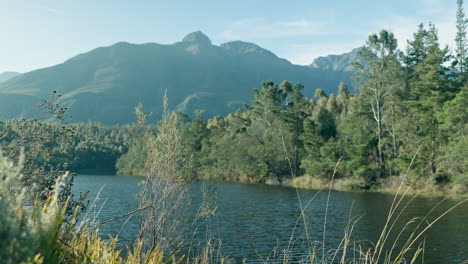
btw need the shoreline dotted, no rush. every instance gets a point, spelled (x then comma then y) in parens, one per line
(389, 186)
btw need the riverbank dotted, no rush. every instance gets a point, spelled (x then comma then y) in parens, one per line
(387, 185)
(355, 184)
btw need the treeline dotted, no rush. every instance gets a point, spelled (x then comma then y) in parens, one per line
(85, 148)
(410, 114)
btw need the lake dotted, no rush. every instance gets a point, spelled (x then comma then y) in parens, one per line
(255, 221)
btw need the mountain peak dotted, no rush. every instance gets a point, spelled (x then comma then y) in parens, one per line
(241, 48)
(197, 37)
(342, 62)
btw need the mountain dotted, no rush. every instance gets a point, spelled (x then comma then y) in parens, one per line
(4, 76)
(337, 62)
(105, 84)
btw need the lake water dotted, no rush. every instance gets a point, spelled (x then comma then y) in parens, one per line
(255, 221)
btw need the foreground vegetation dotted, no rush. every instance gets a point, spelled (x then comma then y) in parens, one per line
(41, 232)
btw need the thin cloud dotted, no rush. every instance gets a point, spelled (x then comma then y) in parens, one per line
(51, 10)
(260, 28)
(248, 21)
(431, 2)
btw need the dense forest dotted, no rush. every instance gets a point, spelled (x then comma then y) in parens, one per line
(409, 115)
(86, 148)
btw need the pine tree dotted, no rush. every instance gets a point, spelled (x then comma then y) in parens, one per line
(416, 52)
(293, 117)
(198, 131)
(268, 102)
(270, 141)
(431, 90)
(312, 144)
(461, 41)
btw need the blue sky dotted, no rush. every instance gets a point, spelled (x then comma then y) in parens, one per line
(40, 33)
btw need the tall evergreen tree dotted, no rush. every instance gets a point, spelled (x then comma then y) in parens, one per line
(268, 102)
(431, 90)
(195, 136)
(416, 52)
(294, 116)
(269, 141)
(461, 41)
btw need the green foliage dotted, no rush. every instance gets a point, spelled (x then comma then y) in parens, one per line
(165, 193)
(132, 163)
(455, 124)
(85, 148)
(379, 76)
(33, 141)
(262, 141)
(461, 41)
(36, 234)
(27, 235)
(409, 105)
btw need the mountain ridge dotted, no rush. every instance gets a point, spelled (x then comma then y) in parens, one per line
(106, 83)
(5, 76)
(340, 62)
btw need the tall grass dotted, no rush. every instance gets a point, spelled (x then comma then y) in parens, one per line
(37, 233)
